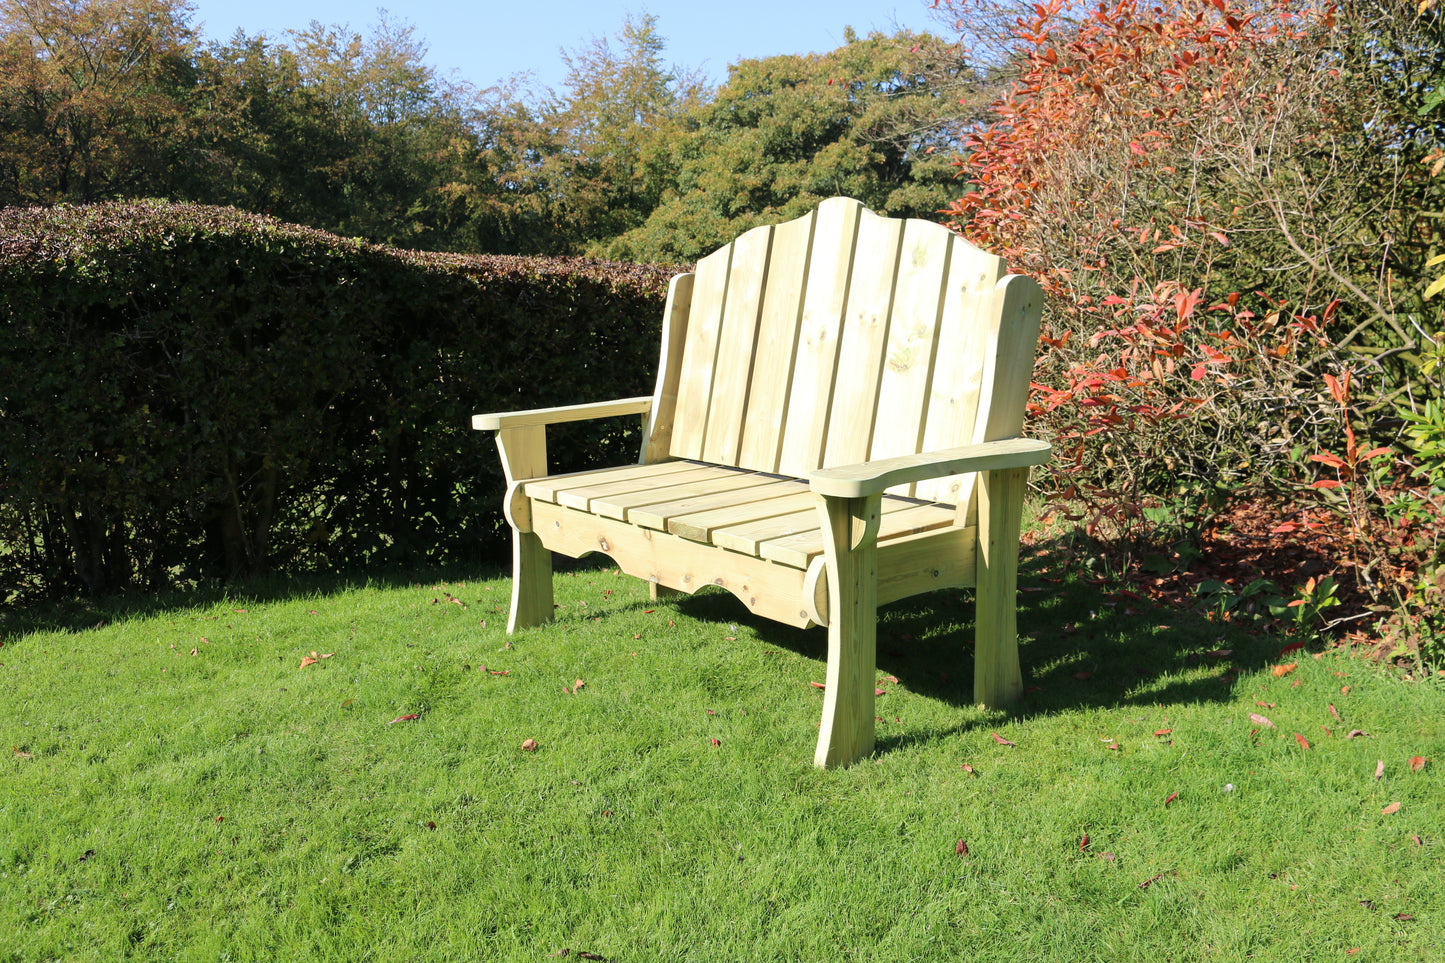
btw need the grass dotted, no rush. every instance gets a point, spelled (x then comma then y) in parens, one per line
(179, 789)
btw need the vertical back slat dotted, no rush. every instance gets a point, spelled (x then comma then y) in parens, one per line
(830, 266)
(732, 377)
(865, 334)
(913, 333)
(699, 356)
(777, 345)
(964, 338)
(657, 437)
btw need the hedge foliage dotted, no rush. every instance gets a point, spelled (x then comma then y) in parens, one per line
(191, 392)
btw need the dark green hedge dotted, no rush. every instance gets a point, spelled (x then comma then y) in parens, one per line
(190, 392)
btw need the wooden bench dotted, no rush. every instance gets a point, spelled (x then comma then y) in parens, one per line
(835, 425)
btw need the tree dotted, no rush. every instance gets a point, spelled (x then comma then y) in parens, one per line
(583, 166)
(91, 97)
(868, 120)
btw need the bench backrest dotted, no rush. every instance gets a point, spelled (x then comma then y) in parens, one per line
(842, 337)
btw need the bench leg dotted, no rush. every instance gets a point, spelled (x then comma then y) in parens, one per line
(660, 593)
(850, 536)
(531, 582)
(997, 680)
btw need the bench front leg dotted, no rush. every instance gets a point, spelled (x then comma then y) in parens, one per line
(997, 680)
(850, 544)
(524, 456)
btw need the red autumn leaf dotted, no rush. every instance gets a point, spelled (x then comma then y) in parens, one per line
(531, 745)
(1171, 797)
(406, 718)
(1083, 674)
(1084, 843)
(716, 743)
(879, 692)
(1292, 647)
(1394, 807)
(967, 768)
(1267, 705)
(961, 849)
(1303, 742)
(1162, 732)
(1335, 712)
(1286, 669)
(891, 678)
(817, 685)
(1417, 763)
(1418, 841)
(1001, 740)
(648, 611)
(21, 753)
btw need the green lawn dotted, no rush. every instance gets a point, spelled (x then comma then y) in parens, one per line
(179, 788)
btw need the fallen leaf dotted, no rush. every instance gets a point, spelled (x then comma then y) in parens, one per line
(1260, 720)
(1162, 732)
(194, 650)
(1357, 732)
(891, 678)
(961, 849)
(1417, 763)
(1303, 742)
(1344, 690)
(716, 743)
(1391, 809)
(879, 692)
(1084, 843)
(1001, 740)
(1107, 857)
(87, 855)
(1172, 796)
(531, 745)
(21, 754)
(1292, 647)
(407, 718)
(1379, 769)
(1286, 669)
(967, 768)
(306, 660)
(1083, 674)
(429, 824)
(577, 685)
(1267, 705)
(1402, 917)
(817, 685)
(1151, 880)
(220, 819)
(1335, 712)
(1418, 841)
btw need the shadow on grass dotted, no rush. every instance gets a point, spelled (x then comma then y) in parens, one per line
(81, 613)
(1080, 646)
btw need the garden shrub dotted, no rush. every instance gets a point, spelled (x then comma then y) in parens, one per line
(190, 392)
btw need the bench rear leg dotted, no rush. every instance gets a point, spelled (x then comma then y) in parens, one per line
(997, 680)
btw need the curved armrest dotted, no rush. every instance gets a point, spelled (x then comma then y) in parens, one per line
(552, 416)
(872, 477)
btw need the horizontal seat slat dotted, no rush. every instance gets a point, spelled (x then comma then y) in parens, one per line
(545, 489)
(583, 496)
(622, 505)
(661, 515)
(703, 526)
(900, 518)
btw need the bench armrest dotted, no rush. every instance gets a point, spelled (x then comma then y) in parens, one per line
(497, 421)
(872, 477)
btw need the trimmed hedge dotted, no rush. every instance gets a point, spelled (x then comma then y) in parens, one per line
(191, 392)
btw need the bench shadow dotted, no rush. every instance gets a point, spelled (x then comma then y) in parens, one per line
(1080, 646)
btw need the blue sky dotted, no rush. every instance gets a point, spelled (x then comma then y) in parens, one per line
(485, 42)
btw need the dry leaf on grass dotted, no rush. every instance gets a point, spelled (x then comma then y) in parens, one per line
(1391, 809)
(1286, 669)
(1417, 763)
(1001, 740)
(531, 745)
(1260, 720)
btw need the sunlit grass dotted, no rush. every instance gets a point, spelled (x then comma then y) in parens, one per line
(179, 788)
